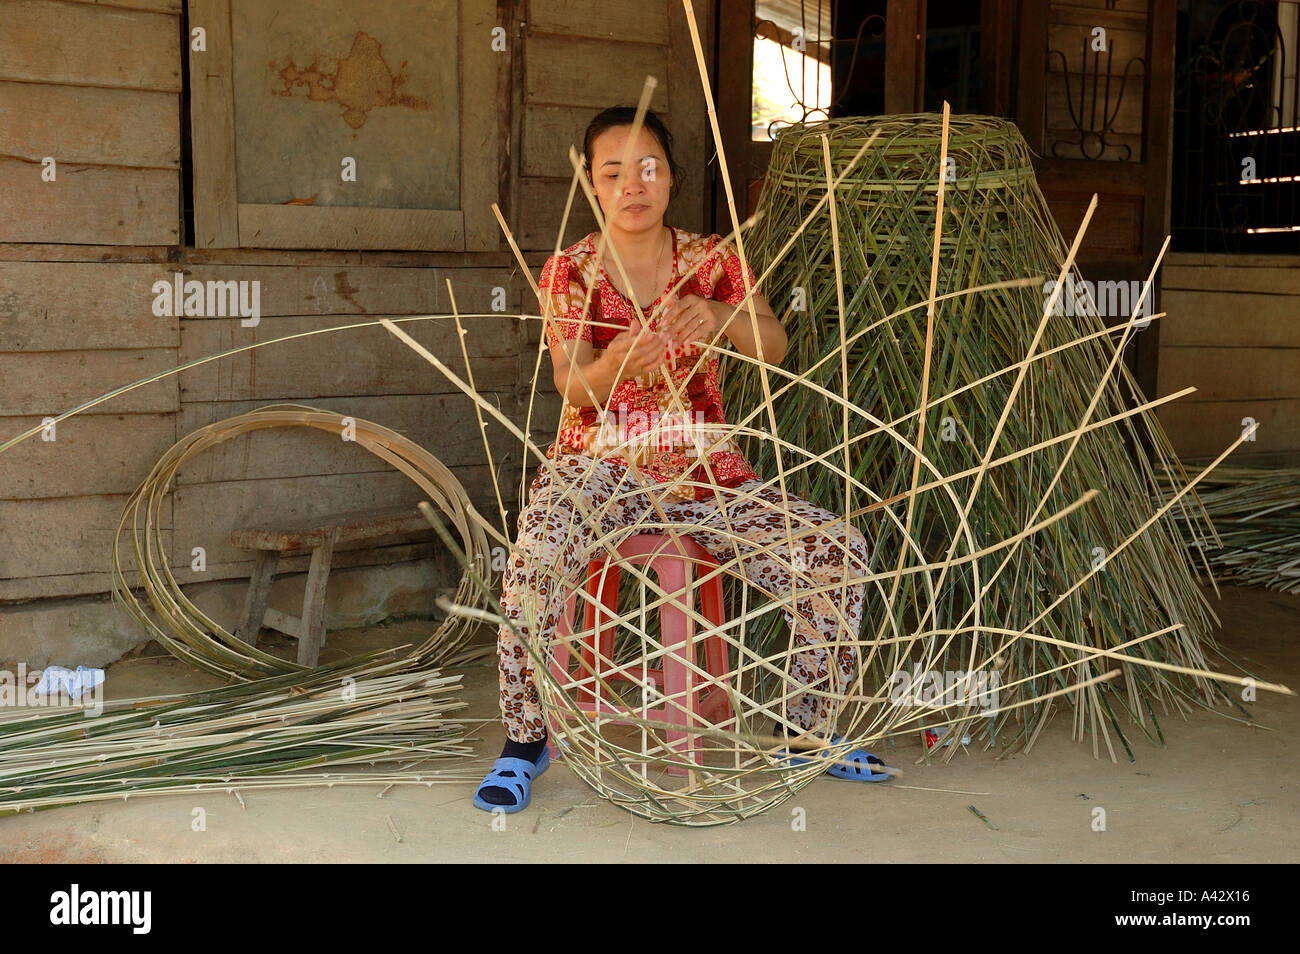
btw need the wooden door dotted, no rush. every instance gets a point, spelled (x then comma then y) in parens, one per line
(1094, 99)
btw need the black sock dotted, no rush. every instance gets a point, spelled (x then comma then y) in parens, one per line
(530, 751)
(782, 731)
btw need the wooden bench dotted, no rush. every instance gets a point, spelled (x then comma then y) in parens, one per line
(321, 536)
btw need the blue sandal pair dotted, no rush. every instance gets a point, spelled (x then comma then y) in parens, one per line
(854, 766)
(515, 776)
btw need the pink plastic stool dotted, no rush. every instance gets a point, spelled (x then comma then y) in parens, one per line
(696, 699)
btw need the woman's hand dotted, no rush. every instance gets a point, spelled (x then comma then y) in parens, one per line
(689, 318)
(644, 351)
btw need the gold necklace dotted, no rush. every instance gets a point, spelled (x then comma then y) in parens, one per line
(663, 246)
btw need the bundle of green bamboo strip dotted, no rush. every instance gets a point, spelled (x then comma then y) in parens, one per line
(1257, 515)
(1017, 417)
(374, 722)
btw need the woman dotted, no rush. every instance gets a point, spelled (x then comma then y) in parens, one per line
(619, 375)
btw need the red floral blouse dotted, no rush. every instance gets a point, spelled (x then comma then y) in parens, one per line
(642, 423)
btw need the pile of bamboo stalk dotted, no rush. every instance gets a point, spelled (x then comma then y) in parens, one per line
(376, 722)
(1257, 515)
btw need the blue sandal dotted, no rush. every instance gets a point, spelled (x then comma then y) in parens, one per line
(515, 776)
(858, 769)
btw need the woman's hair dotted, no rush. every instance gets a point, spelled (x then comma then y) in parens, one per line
(623, 116)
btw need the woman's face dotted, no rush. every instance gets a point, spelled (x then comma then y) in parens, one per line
(641, 202)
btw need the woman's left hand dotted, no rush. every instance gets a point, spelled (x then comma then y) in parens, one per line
(689, 318)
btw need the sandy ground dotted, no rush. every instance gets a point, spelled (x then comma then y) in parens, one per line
(1221, 791)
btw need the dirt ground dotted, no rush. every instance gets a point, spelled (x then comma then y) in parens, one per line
(1221, 791)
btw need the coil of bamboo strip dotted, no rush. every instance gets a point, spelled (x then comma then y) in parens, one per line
(192, 635)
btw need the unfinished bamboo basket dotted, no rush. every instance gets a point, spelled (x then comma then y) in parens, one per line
(960, 362)
(986, 512)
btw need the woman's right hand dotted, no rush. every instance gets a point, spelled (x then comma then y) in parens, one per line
(643, 350)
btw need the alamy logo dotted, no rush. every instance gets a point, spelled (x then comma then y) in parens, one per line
(102, 907)
(54, 687)
(1105, 299)
(211, 299)
(938, 690)
(642, 430)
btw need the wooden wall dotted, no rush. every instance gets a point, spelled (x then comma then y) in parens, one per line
(98, 86)
(576, 64)
(1233, 332)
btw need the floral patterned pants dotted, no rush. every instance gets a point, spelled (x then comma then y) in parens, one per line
(555, 545)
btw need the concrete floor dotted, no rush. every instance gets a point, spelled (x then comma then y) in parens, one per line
(1222, 791)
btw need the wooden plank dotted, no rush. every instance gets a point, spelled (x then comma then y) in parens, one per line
(541, 209)
(80, 584)
(548, 133)
(47, 383)
(92, 205)
(313, 605)
(1230, 319)
(1099, 11)
(1243, 260)
(1283, 280)
(692, 141)
(645, 20)
(206, 513)
(350, 527)
(46, 587)
(310, 226)
(86, 45)
(299, 257)
(212, 128)
(360, 290)
(1031, 74)
(46, 252)
(1232, 374)
(343, 290)
(733, 97)
(997, 49)
(153, 6)
(63, 536)
(1156, 212)
(445, 424)
(114, 127)
(593, 73)
(905, 55)
(485, 108)
(1116, 226)
(75, 306)
(546, 412)
(284, 623)
(1204, 428)
(259, 588)
(92, 454)
(357, 362)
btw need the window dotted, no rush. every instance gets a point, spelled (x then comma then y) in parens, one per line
(792, 64)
